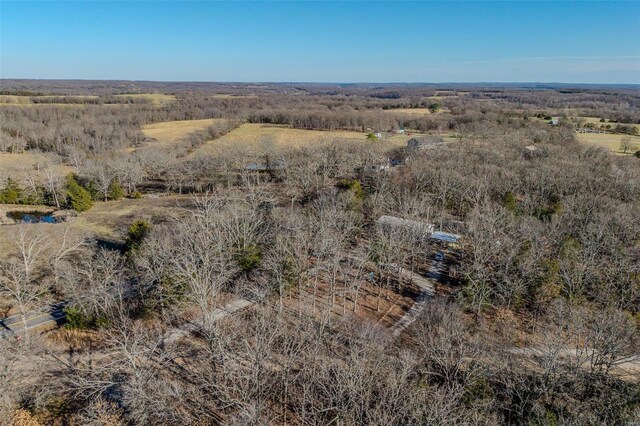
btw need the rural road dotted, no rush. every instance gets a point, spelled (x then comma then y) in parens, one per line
(36, 320)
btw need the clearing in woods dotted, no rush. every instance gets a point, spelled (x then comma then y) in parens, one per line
(256, 137)
(18, 165)
(412, 111)
(596, 121)
(610, 141)
(168, 132)
(156, 99)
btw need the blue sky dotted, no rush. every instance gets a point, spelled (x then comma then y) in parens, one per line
(395, 41)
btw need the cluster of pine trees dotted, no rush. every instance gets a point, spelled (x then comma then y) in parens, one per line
(76, 193)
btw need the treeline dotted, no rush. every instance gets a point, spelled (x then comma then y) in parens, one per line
(72, 192)
(90, 100)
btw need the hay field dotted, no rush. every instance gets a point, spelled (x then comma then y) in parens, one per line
(252, 138)
(157, 99)
(18, 165)
(231, 96)
(609, 141)
(412, 111)
(596, 121)
(26, 100)
(170, 131)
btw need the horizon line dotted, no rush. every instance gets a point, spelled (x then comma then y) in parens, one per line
(318, 82)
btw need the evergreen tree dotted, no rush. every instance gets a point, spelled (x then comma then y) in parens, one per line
(12, 193)
(79, 198)
(115, 190)
(137, 231)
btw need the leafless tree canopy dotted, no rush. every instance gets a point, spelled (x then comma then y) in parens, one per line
(269, 295)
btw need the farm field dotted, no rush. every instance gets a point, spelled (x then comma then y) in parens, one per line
(18, 165)
(170, 131)
(609, 141)
(252, 137)
(596, 121)
(413, 111)
(156, 99)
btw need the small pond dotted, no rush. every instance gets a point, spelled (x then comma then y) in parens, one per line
(32, 217)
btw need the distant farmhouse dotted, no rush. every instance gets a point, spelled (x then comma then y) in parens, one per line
(423, 143)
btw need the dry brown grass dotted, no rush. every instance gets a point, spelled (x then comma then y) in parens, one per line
(412, 111)
(609, 141)
(230, 96)
(380, 306)
(20, 164)
(255, 139)
(155, 98)
(112, 218)
(170, 131)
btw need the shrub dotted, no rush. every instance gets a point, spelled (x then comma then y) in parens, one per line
(78, 320)
(115, 190)
(12, 193)
(79, 198)
(509, 202)
(248, 257)
(137, 232)
(355, 189)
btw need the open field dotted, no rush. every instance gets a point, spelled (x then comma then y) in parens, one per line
(17, 165)
(171, 131)
(112, 218)
(154, 98)
(609, 141)
(25, 100)
(253, 137)
(109, 220)
(596, 121)
(413, 111)
(157, 99)
(230, 96)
